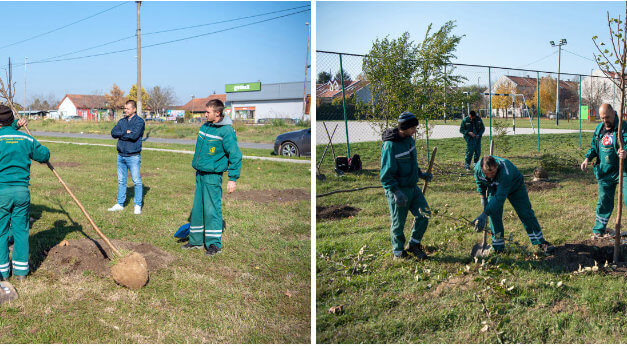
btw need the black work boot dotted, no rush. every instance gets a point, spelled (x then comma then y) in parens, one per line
(546, 247)
(416, 250)
(213, 250)
(403, 255)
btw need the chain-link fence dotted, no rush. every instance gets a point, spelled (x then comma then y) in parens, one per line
(510, 102)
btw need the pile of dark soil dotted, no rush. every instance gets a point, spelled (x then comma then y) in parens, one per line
(76, 256)
(540, 185)
(261, 196)
(335, 212)
(573, 256)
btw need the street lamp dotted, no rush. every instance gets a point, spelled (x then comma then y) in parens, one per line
(559, 58)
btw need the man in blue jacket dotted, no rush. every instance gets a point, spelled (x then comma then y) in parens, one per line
(129, 132)
(216, 152)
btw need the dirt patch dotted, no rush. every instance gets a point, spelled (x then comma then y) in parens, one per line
(457, 283)
(77, 256)
(541, 185)
(335, 212)
(261, 196)
(588, 253)
(66, 164)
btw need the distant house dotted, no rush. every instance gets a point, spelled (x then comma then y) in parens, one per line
(88, 107)
(331, 90)
(597, 89)
(196, 106)
(253, 102)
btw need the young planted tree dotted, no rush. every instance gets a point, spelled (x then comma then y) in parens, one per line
(613, 59)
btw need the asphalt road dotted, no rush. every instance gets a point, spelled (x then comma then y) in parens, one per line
(148, 139)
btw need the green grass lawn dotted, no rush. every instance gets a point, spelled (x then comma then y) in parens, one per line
(545, 123)
(519, 297)
(245, 133)
(257, 290)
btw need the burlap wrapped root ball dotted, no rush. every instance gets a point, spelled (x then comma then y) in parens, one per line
(131, 271)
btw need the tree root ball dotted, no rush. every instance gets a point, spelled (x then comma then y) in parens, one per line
(131, 271)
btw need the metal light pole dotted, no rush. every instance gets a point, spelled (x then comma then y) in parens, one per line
(25, 58)
(557, 98)
(139, 65)
(306, 67)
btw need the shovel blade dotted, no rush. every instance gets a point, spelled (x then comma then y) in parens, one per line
(7, 292)
(480, 250)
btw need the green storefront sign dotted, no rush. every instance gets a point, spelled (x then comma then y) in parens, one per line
(583, 112)
(243, 87)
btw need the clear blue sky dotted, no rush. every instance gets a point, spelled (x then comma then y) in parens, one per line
(273, 51)
(506, 34)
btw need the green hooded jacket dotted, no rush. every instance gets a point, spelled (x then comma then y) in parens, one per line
(216, 149)
(604, 147)
(507, 180)
(399, 163)
(16, 151)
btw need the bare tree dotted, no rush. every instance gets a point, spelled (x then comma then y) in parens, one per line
(595, 90)
(160, 98)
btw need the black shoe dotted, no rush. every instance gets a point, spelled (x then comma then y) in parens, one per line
(213, 250)
(187, 246)
(223, 226)
(403, 255)
(417, 251)
(546, 247)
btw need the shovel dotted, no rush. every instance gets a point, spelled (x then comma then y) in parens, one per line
(482, 250)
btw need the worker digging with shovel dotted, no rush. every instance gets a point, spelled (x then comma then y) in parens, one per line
(399, 176)
(501, 180)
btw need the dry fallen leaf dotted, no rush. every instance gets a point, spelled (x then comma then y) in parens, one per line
(485, 329)
(64, 243)
(287, 292)
(336, 309)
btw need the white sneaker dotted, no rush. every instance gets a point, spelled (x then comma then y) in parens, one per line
(116, 207)
(138, 210)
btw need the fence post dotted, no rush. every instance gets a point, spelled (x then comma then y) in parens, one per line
(348, 150)
(538, 105)
(579, 112)
(490, 100)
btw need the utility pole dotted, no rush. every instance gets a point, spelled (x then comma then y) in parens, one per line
(557, 98)
(139, 64)
(25, 58)
(306, 67)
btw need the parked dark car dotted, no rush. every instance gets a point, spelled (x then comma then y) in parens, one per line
(293, 143)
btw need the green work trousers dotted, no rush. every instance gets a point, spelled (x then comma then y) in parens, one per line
(14, 213)
(605, 204)
(473, 147)
(417, 204)
(520, 201)
(206, 221)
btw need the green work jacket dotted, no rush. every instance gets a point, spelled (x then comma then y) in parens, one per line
(604, 147)
(468, 125)
(507, 180)
(399, 164)
(216, 149)
(16, 151)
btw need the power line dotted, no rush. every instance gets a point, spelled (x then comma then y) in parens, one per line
(169, 41)
(62, 27)
(169, 30)
(586, 58)
(536, 61)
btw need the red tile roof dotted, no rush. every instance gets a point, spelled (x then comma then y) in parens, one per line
(198, 104)
(333, 89)
(87, 101)
(529, 82)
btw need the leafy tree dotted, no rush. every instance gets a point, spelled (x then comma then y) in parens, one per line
(115, 98)
(323, 78)
(160, 99)
(503, 102)
(405, 76)
(132, 95)
(547, 95)
(338, 78)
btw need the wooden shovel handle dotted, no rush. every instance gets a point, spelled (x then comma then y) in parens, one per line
(431, 161)
(93, 224)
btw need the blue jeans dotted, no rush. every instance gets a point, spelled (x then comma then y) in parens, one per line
(124, 164)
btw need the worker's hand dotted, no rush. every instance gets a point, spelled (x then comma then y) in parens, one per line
(584, 165)
(480, 222)
(400, 198)
(22, 122)
(484, 201)
(230, 187)
(471, 134)
(426, 176)
(622, 154)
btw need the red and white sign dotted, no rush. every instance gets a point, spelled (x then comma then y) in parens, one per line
(607, 140)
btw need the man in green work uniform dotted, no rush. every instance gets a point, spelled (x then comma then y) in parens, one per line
(399, 175)
(16, 151)
(606, 148)
(216, 152)
(501, 180)
(472, 128)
